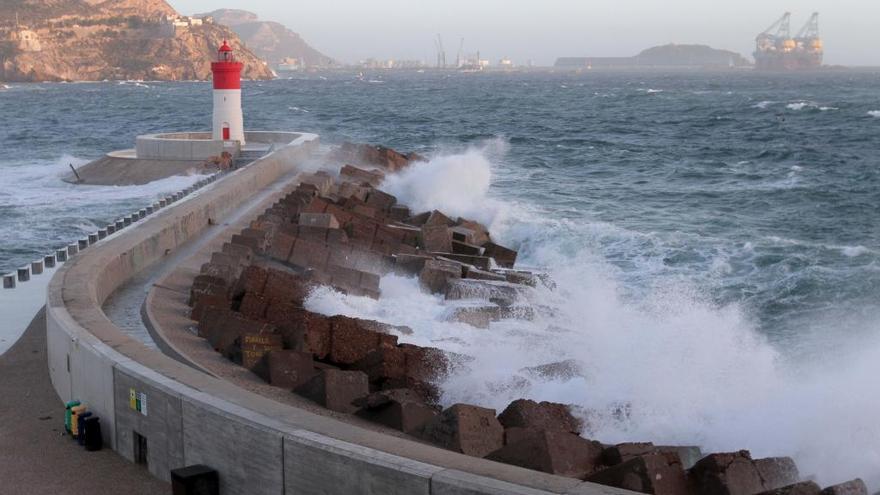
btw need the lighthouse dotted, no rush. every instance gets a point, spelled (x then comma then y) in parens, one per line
(228, 120)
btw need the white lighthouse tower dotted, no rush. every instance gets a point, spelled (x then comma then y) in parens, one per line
(228, 120)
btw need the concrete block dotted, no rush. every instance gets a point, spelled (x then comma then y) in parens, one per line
(24, 274)
(49, 261)
(163, 203)
(83, 244)
(102, 233)
(61, 255)
(9, 281)
(37, 267)
(126, 221)
(120, 224)
(311, 460)
(111, 229)
(93, 238)
(142, 213)
(134, 217)
(150, 210)
(454, 482)
(72, 249)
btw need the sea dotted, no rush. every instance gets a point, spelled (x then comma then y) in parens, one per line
(714, 237)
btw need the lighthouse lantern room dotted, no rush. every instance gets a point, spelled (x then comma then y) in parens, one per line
(228, 120)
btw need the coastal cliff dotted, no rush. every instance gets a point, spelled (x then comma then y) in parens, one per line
(94, 40)
(270, 40)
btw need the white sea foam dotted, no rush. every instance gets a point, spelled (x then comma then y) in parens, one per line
(854, 251)
(763, 104)
(800, 105)
(874, 113)
(659, 363)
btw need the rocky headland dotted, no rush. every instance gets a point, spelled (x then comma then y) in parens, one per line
(272, 41)
(94, 40)
(341, 230)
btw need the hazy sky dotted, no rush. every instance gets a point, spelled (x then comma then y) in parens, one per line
(541, 30)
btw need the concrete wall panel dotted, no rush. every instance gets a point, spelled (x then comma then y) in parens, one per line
(249, 458)
(317, 464)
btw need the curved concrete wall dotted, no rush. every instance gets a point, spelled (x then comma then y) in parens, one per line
(256, 444)
(197, 146)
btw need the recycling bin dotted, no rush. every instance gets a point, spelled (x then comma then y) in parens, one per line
(93, 441)
(67, 407)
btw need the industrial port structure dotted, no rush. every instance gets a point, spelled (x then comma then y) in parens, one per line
(777, 49)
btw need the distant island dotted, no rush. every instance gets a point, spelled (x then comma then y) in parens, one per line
(280, 46)
(94, 40)
(668, 56)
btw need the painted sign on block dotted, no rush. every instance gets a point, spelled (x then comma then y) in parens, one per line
(137, 401)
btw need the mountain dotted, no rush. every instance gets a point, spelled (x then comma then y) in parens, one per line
(271, 40)
(94, 40)
(668, 56)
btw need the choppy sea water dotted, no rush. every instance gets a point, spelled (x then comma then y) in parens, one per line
(714, 237)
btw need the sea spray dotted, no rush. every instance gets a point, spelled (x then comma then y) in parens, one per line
(653, 360)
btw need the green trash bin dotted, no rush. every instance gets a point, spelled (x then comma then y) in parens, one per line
(67, 413)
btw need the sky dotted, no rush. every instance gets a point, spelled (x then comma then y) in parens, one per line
(542, 30)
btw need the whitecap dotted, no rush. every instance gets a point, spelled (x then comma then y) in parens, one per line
(763, 104)
(854, 251)
(874, 113)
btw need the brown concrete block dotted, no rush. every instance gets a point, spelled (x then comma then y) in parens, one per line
(316, 205)
(281, 246)
(244, 253)
(253, 279)
(381, 200)
(399, 213)
(472, 232)
(467, 429)
(503, 256)
(657, 474)
(286, 369)
(350, 342)
(254, 346)
(253, 306)
(401, 409)
(477, 274)
(409, 264)
(802, 488)
(336, 389)
(384, 363)
(731, 473)
(322, 220)
(549, 416)
(436, 238)
(853, 487)
(286, 287)
(555, 452)
(436, 275)
(250, 242)
(466, 249)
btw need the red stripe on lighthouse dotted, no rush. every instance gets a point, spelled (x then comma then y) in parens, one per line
(227, 75)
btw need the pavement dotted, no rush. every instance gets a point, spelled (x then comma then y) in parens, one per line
(36, 457)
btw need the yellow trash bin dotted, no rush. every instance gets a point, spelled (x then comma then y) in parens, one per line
(74, 416)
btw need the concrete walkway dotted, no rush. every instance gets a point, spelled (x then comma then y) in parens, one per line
(35, 456)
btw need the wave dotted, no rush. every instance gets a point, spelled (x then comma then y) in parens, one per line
(657, 360)
(874, 113)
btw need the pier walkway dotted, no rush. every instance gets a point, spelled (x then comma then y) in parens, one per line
(35, 456)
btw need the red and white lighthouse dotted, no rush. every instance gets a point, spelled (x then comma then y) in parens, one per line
(228, 120)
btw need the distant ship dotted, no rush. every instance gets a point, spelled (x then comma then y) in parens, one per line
(776, 49)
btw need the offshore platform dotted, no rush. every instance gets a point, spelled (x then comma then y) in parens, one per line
(776, 49)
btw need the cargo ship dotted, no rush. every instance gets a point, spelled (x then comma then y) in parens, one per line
(777, 50)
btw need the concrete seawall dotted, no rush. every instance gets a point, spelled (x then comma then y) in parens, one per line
(188, 417)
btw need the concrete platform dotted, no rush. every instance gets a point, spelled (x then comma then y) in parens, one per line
(35, 456)
(113, 170)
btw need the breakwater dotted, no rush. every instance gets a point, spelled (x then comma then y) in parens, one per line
(344, 232)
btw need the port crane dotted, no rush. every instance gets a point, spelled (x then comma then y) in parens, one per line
(775, 36)
(808, 37)
(441, 53)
